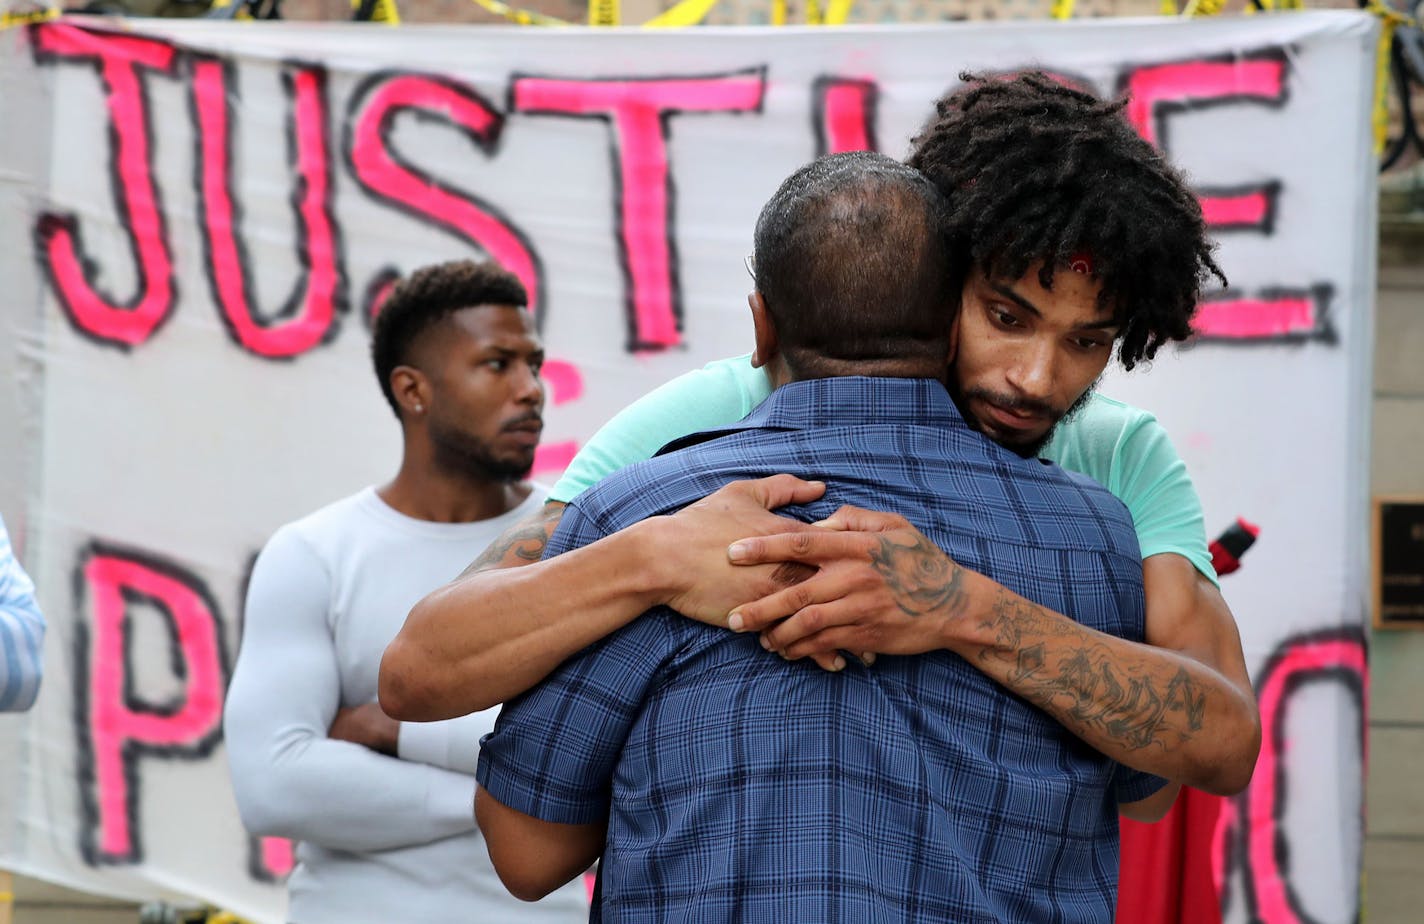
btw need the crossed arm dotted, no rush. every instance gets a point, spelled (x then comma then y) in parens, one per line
(284, 737)
(1179, 706)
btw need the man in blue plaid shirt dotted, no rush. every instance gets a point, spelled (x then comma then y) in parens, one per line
(721, 784)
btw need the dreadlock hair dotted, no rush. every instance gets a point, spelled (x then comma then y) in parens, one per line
(1037, 171)
(426, 298)
(851, 259)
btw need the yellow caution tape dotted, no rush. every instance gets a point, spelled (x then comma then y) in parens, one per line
(522, 17)
(1203, 8)
(813, 13)
(604, 13)
(839, 12)
(1389, 19)
(778, 12)
(1061, 9)
(9, 19)
(384, 11)
(240, 11)
(686, 13)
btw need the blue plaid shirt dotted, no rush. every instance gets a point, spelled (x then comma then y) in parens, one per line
(739, 787)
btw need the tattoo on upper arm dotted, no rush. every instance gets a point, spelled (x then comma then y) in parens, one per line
(1132, 705)
(522, 543)
(922, 578)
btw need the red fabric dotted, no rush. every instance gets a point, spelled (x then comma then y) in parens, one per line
(1166, 867)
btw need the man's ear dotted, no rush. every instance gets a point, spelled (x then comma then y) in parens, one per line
(412, 391)
(954, 334)
(765, 329)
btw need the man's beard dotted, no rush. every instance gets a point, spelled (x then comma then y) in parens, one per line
(459, 453)
(1027, 448)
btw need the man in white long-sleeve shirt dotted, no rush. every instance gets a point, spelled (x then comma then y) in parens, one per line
(383, 810)
(21, 633)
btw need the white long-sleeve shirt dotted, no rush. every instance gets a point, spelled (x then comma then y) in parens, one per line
(381, 840)
(21, 633)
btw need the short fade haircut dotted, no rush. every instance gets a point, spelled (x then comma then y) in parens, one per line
(852, 262)
(427, 297)
(1037, 171)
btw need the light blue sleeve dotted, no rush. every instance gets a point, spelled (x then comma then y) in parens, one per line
(1128, 452)
(22, 630)
(453, 744)
(719, 394)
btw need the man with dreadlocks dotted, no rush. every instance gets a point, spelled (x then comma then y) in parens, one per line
(717, 783)
(1078, 236)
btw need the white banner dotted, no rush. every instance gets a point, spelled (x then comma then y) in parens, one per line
(197, 217)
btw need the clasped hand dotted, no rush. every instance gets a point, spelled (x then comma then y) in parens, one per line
(859, 581)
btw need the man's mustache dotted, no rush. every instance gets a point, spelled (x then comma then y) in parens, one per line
(1016, 403)
(524, 422)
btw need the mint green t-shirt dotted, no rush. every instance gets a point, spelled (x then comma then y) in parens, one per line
(1119, 446)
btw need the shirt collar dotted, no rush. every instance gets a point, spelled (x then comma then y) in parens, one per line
(843, 401)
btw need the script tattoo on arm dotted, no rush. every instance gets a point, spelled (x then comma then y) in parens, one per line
(522, 543)
(922, 578)
(1066, 671)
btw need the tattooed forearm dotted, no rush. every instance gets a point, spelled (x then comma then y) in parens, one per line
(1064, 670)
(922, 578)
(1013, 620)
(522, 543)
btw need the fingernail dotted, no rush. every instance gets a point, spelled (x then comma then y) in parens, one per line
(736, 551)
(735, 622)
(838, 663)
(766, 643)
(868, 657)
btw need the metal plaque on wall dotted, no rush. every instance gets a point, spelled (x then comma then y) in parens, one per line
(1399, 562)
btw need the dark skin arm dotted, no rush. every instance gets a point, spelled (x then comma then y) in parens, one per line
(1152, 809)
(368, 726)
(510, 619)
(446, 662)
(1179, 705)
(534, 857)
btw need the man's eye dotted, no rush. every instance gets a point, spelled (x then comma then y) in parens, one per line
(498, 365)
(1089, 344)
(1005, 318)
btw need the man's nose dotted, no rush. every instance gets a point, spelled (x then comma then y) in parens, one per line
(528, 388)
(1035, 371)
